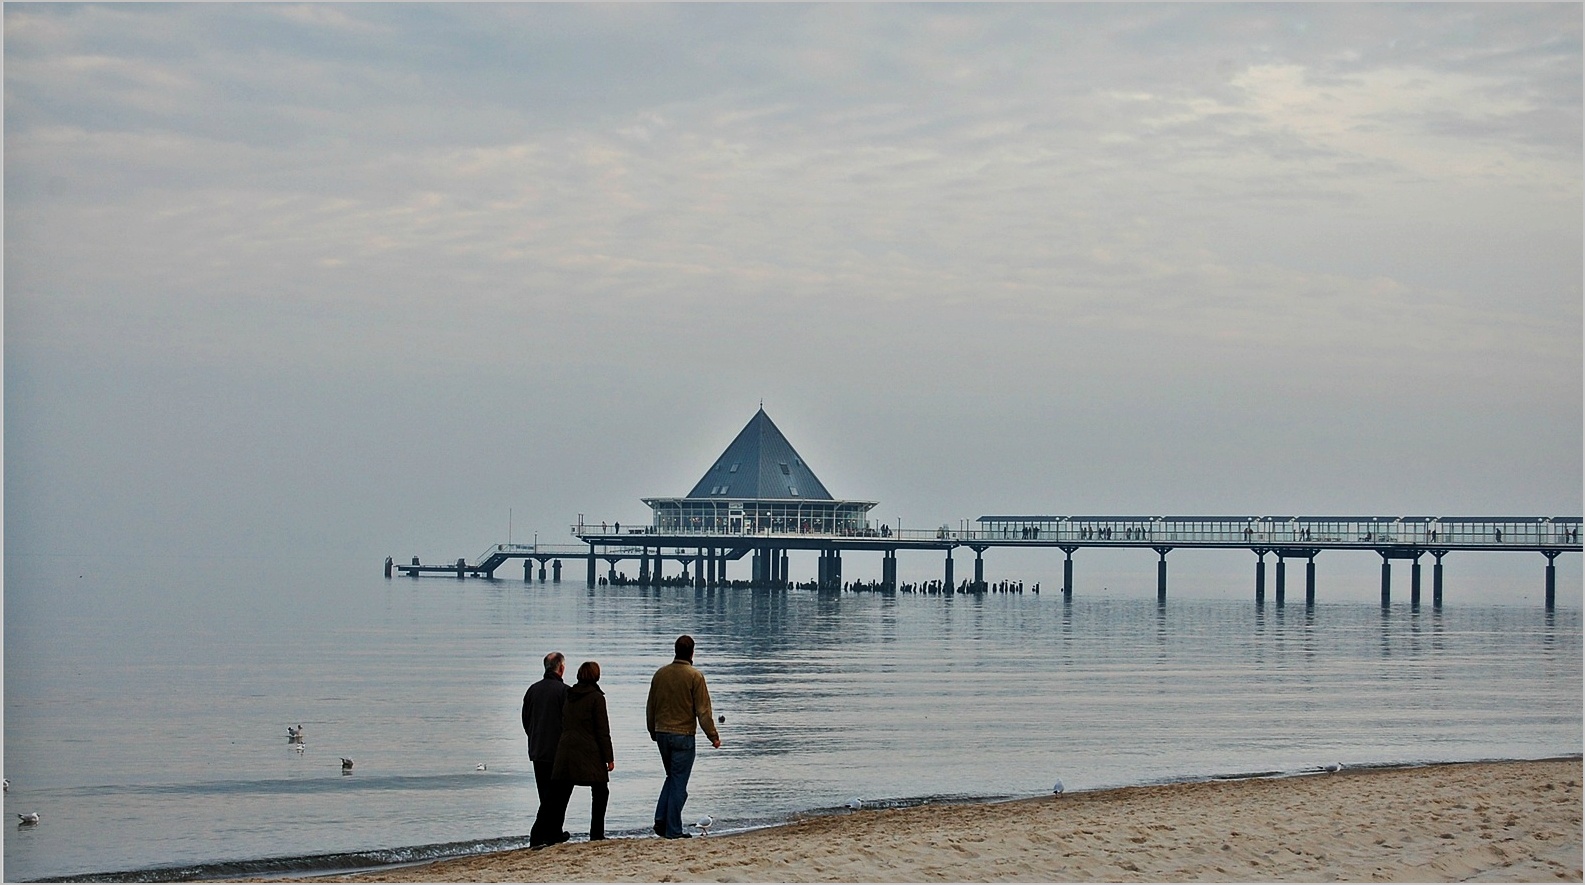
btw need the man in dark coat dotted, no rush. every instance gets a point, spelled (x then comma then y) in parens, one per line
(542, 705)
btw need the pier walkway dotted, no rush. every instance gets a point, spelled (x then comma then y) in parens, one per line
(707, 548)
(702, 552)
(495, 556)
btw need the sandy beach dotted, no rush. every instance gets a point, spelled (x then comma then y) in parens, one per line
(1483, 822)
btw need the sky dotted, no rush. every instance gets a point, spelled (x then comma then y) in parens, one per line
(297, 281)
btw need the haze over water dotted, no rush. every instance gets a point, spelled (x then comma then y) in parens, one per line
(153, 734)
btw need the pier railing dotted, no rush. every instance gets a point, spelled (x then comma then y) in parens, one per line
(1354, 532)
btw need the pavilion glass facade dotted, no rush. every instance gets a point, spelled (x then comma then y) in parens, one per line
(759, 516)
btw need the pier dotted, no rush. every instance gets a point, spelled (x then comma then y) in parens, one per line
(700, 557)
(760, 500)
(704, 553)
(495, 556)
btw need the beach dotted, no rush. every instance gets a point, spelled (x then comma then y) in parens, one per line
(1485, 822)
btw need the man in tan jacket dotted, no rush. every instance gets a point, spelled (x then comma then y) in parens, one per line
(678, 698)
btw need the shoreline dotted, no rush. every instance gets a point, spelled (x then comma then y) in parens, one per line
(1464, 821)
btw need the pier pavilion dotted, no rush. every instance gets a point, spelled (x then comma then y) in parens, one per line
(759, 486)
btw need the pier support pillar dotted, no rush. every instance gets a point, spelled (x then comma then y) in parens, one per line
(979, 569)
(1551, 578)
(528, 570)
(1386, 579)
(1436, 579)
(1282, 580)
(1161, 574)
(786, 570)
(591, 566)
(542, 571)
(643, 566)
(555, 571)
(759, 569)
(947, 585)
(1260, 577)
(1067, 573)
(660, 568)
(889, 570)
(1414, 583)
(1309, 582)
(388, 563)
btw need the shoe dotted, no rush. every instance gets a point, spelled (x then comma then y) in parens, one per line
(596, 838)
(681, 836)
(660, 828)
(562, 838)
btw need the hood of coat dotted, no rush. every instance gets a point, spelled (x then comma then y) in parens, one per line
(582, 690)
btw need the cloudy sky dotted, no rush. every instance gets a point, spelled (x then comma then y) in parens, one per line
(366, 279)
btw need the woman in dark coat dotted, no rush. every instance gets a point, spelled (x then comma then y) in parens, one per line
(584, 755)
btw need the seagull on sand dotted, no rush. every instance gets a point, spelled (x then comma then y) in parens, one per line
(855, 803)
(1057, 790)
(29, 819)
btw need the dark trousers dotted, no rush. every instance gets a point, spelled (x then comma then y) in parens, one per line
(601, 796)
(676, 757)
(553, 796)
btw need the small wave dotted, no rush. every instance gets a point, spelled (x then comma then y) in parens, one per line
(306, 865)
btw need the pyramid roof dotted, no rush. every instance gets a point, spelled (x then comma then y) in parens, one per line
(760, 464)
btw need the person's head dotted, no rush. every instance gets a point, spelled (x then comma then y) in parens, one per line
(589, 671)
(685, 648)
(555, 663)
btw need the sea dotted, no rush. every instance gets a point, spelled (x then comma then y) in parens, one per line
(147, 703)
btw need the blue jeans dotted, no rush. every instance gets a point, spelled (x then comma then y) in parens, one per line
(676, 756)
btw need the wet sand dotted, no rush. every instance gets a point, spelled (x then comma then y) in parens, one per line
(1482, 822)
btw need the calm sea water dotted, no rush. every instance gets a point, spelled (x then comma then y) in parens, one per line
(145, 717)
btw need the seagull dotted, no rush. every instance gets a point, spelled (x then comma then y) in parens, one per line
(480, 767)
(300, 747)
(721, 719)
(29, 819)
(5, 783)
(704, 825)
(855, 803)
(1335, 766)
(346, 764)
(1057, 790)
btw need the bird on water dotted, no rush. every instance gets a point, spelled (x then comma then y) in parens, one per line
(346, 764)
(704, 825)
(29, 819)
